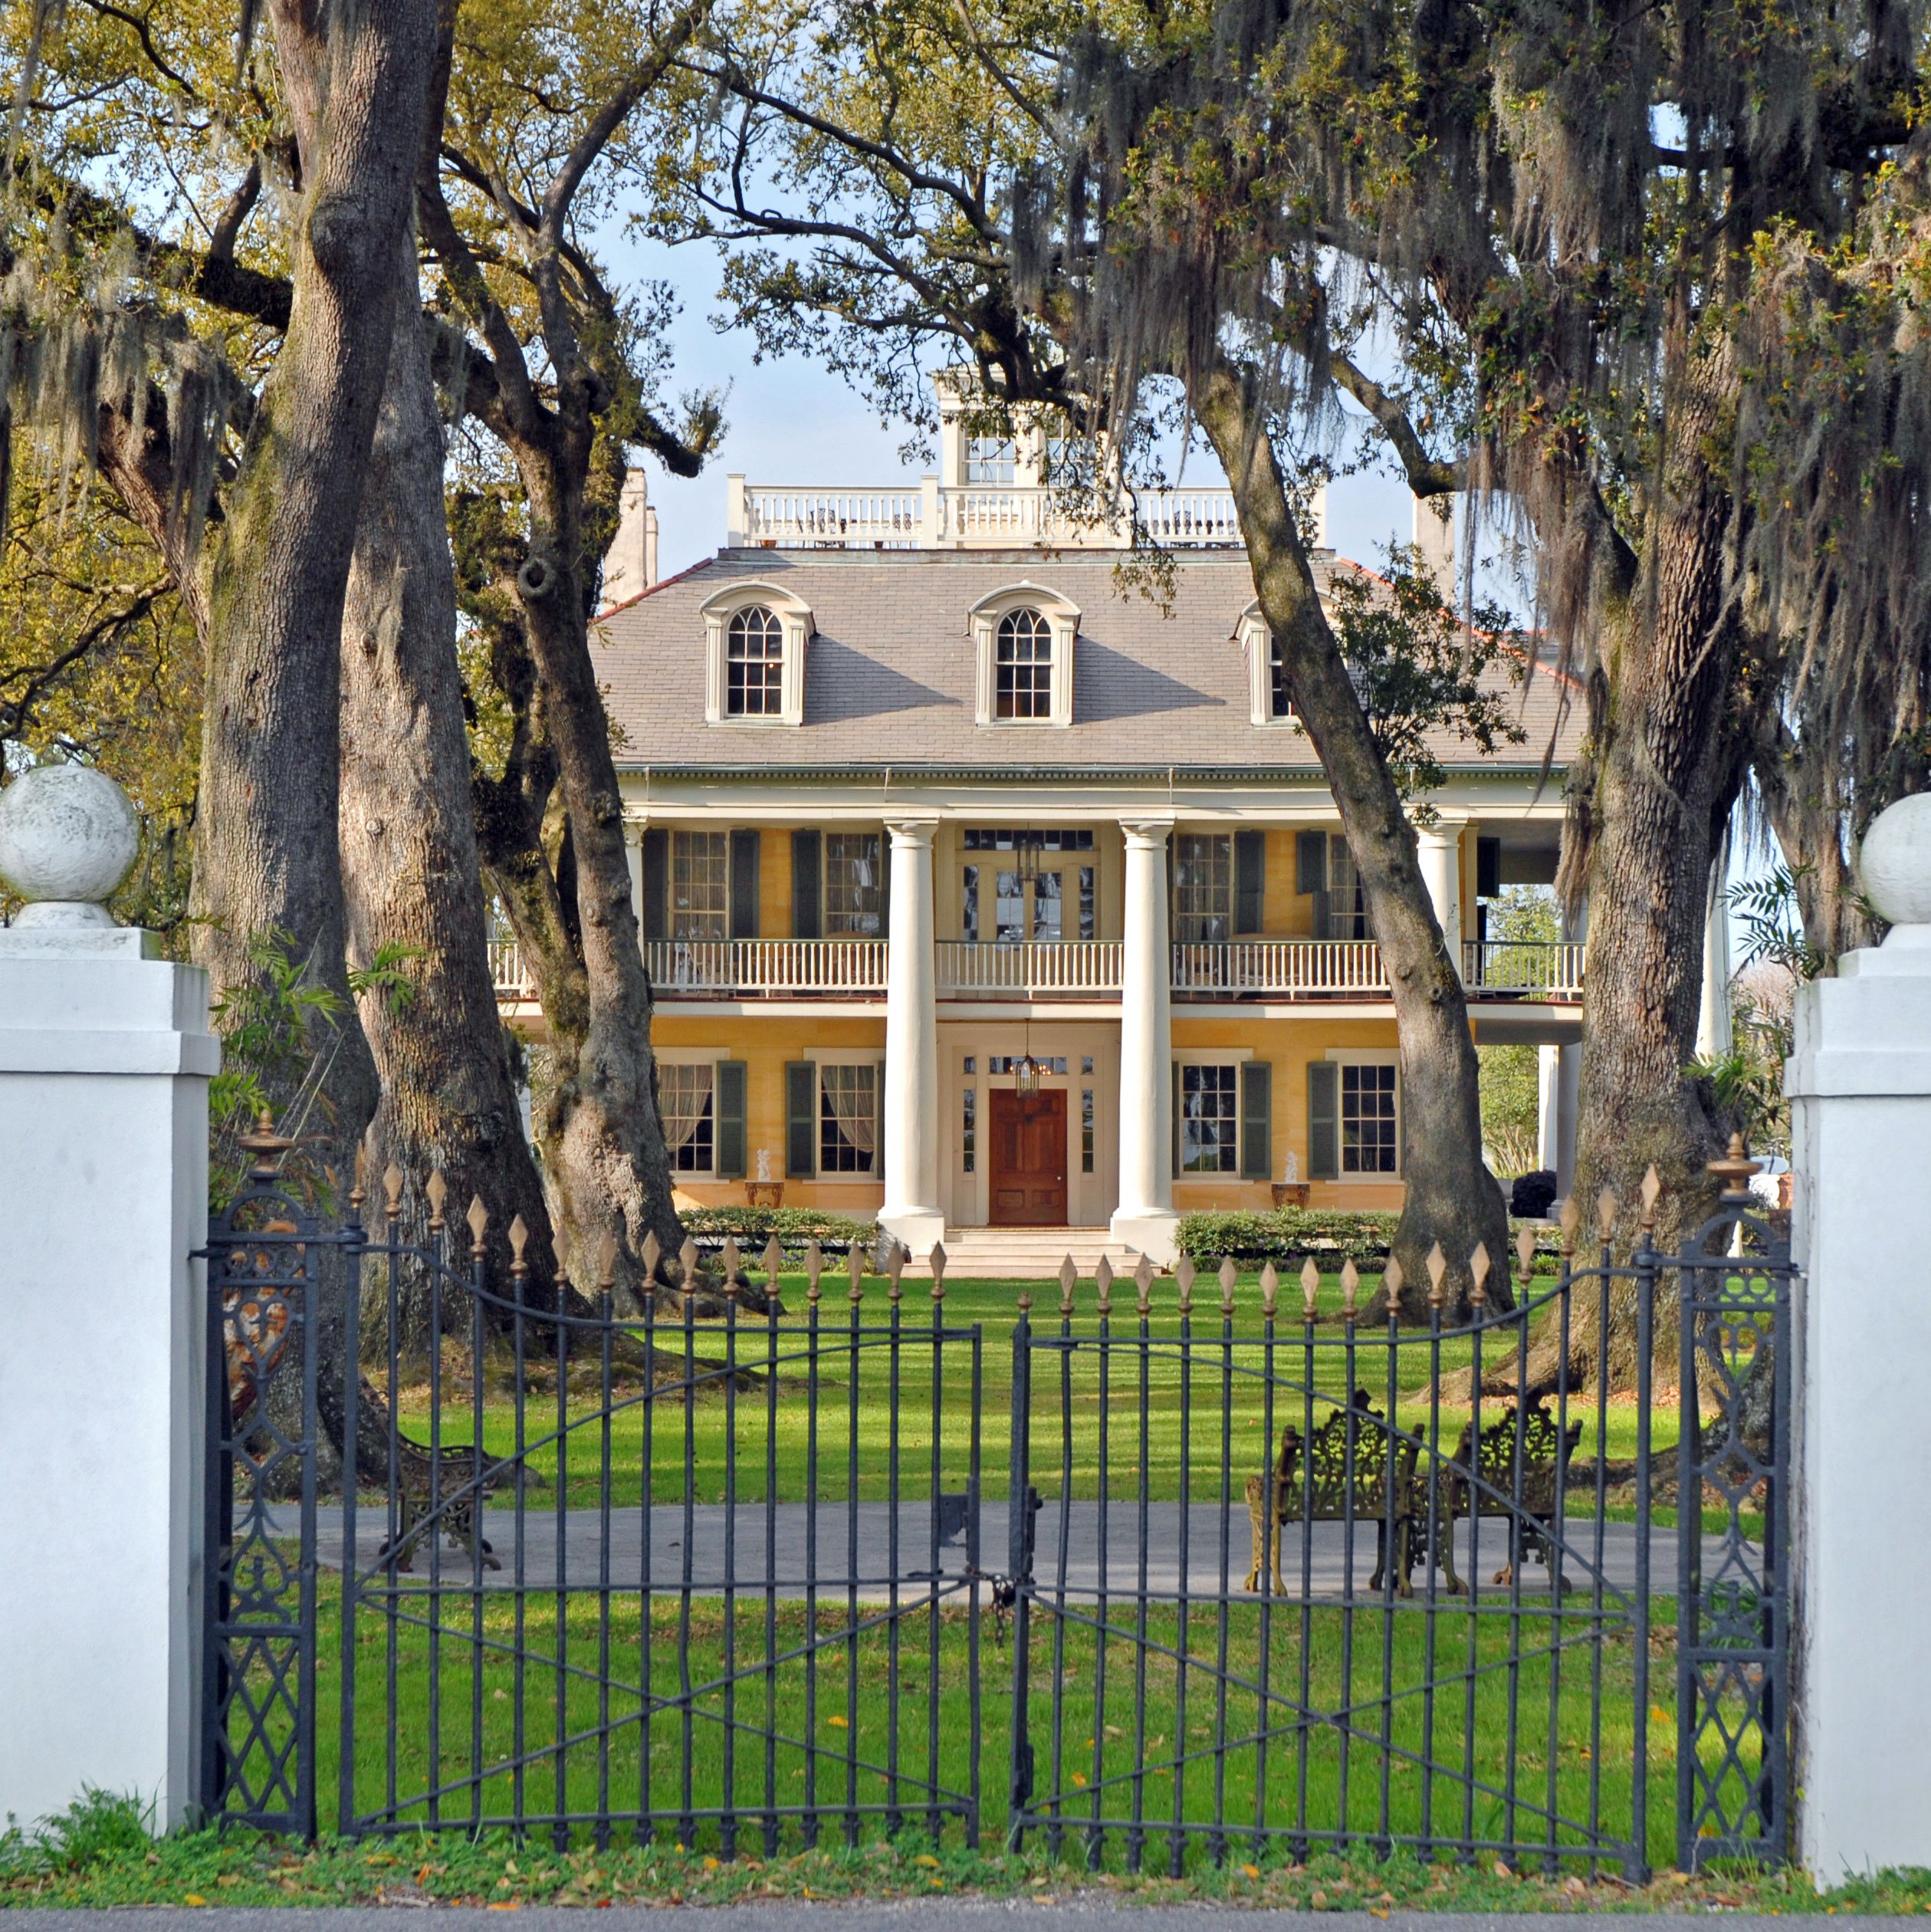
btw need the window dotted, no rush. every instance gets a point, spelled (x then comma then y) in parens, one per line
(699, 885)
(1008, 838)
(755, 667)
(847, 1119)
(687, 1103)
(1024, 665)
(1023, 639)
(1086, 1126)
(1046, 1062)
(1203, 887)
(969, 1127)
(1209, 1119)
(990, 460)
(854, 894)
(1370, 1131)
(1280, 697)
(754, 664)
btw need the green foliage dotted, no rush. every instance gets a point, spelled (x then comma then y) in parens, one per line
(1418, 668)
(1773, 926)
(794, 1227)
(281, 1031)
(98, 1828)
(1511, 1086)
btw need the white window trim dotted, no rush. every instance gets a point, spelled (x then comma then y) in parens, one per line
(1257, 642)
(1211, 1056)
(794, 617)
(1063, 619)
(1370, 1056)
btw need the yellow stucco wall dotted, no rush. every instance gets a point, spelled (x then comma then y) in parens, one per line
(1288, 1045)
(764, 1045)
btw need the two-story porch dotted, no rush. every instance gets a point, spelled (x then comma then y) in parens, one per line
(958, 1019)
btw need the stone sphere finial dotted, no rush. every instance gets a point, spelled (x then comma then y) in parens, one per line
(1894, 864)
(68, 836)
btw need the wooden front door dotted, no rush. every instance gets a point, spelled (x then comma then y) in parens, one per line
(1029, 1158)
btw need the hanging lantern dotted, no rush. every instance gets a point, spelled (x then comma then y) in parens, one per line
(1026, 1075)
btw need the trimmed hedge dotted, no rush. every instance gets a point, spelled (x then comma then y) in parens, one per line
(1286, 1235)
(1289, 1236)
(753, 1226)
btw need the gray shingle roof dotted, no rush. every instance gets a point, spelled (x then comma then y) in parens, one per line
(888, 677)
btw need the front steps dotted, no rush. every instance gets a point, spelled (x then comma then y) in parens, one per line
(1026, 1254)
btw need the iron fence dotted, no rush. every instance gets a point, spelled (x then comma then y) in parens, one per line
(1276, 1572)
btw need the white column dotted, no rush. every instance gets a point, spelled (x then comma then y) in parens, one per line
(1145, 1218)
(1715, 1031)
(105, 1055)
(1548, 1109)
(912, 1209)
(1440, 850)
(1860, 1085)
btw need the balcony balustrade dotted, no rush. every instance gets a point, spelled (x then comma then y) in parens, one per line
(1277, 969)
(792, 516)
(1077, 968)
(1518, 969)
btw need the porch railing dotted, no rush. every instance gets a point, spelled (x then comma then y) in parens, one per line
(1279, 966)
(1523, 969)
(767, 966)
(1075, 966)
(1282, 969)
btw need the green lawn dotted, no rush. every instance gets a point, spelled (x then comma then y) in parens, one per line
(818, 1421)
(559, 1736)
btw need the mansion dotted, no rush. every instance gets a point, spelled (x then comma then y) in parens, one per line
(980, 890)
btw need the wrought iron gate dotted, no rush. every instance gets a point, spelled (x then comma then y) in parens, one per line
(1276, 1578)
(1447, 1641)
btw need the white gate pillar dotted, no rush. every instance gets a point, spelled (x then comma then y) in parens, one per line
(1860, 1085)
(105, 1055)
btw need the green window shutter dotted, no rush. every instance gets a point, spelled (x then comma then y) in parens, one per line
(1176, 1120)
(885, 885)
(1256, 1121)
(743, 885)
(1324, 1121)
(656, 908)
(1310, 861)
(801, 1119)
(807, 874)
(878, 1121)
(1488, 868)
(1250, 880)
(727, 1101)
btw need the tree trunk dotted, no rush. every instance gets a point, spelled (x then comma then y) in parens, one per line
(266, 852)
(409, 863)
(597, 1125)
(1451, 1196)
(1668, 765)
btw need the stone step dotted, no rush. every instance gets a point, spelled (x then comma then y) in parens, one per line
(1028, 1254)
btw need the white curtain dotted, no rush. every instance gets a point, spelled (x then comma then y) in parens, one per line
(683, 1093)
(851, 1091)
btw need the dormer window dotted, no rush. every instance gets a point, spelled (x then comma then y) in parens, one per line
(755, 636)
(1024, 638)
(1022, 672)
(1270, 696)
(754, 664)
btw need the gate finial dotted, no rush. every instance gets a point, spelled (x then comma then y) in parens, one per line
(1183, 1272)
(1310, 1286)
(653, 1253)
(436, 1190)
(1069, 1280)
(1734, 1170)
(606, 1264)
(1103, 1281)
(1270, 1288)
(814, 1267)
(1350, 1281)
(1392, 1278)
(1479, 1265)
(936, 1261)
(1570, 1220)
(1650, 1192)
(1525, 1250)
(478, 1219)
(1437, 1266)
(1230, 1274)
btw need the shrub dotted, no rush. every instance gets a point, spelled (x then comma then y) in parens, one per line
(1289, 1236)
(752, 1228)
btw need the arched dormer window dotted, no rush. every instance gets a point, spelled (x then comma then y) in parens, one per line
(1024, 638)
(755, 639)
